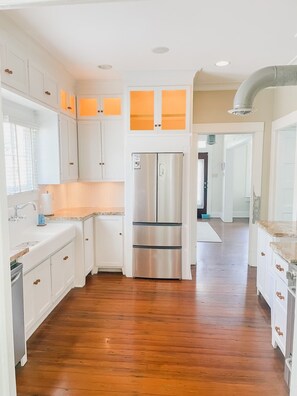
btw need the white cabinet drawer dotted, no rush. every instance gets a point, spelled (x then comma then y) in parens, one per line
(279, 328)
(281, 293)
(280, 266)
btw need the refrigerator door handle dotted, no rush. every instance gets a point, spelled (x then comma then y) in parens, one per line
(161, 169)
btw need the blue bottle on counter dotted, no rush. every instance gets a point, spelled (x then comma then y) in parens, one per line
(41, 220)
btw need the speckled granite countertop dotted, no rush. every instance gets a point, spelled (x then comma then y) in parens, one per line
(73, 214)
(280, 228)
(17, 253)
(286, 250)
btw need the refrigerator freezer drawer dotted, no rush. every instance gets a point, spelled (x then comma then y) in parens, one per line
(156, 235)
(157, 263)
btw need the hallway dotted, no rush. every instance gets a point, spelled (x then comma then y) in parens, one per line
(122, 336)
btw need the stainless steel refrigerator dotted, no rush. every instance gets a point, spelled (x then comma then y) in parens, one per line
(157, 215)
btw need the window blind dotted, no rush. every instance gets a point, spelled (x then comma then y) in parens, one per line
(20, 145)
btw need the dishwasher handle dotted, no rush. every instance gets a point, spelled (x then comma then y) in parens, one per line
(15, 278)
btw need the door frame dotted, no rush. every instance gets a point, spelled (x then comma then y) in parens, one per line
(256, 129)
(280, 123)
(205, 171)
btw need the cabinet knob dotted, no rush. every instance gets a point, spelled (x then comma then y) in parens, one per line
(36, 282)
(8, 71)
(69, 108)
(159, 125)
(120, 233)
(279, 268)
(86, 239)
(263, 254)
(279, 295)
(66, 258)
(47, 93)
(156, 125)
(278, 330)
(71, 163)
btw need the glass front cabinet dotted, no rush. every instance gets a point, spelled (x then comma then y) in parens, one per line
(99, 107)
(160, 109)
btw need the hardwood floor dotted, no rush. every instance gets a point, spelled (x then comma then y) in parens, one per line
(120, 336)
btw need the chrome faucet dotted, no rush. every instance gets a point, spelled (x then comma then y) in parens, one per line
(16, 216)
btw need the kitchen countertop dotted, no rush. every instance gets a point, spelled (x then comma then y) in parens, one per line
(17, 253)
(286, 250)
(280, 228)
(73, 214)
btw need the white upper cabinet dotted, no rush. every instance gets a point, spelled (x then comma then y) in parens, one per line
(101, 150)
(68, 149)
(42, 86)
(159, 109)
(57, 149)
(14, 71)
(99, 107)
(67, 103)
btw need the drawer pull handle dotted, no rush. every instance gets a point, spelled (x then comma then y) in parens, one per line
(279, 267)
(263, 254)
(66, 258)
(47, 93)
(280, 296)
(36, 282)
(8, 71)
(278, 330)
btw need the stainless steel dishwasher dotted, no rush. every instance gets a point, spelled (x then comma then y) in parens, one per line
(16, 271)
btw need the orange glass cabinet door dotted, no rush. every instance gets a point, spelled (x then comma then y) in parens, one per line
(142, 110)
(94, 107)
(67, 102)
(174, 109)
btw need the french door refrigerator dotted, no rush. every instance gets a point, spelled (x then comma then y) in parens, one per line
(157, 215)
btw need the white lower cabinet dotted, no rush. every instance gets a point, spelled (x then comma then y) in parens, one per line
(37, 296)
(264, 265)
(62, 271)
(280, 303)
(88, 236)
(109, 243)
(45, 286)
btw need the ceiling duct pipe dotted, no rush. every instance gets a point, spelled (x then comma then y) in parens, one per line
(272, 76)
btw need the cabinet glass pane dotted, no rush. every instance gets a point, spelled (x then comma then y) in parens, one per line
(142, 110)
(174, 109)
(72, 104)
(112, 106)
(63, 99)
(88, 107)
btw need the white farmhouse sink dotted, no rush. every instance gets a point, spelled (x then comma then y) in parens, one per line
(43, 242)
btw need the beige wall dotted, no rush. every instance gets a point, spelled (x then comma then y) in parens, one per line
(285, 101)
(213, 106)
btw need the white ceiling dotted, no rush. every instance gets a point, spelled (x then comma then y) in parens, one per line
(250, 34)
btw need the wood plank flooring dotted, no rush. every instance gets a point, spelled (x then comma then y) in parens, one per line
(120, 336)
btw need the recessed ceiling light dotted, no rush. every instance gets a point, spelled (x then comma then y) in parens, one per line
(222, 63)
(160, 50)
(105, 67)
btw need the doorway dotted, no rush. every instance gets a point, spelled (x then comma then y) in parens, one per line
(202, 184)
(256, 129)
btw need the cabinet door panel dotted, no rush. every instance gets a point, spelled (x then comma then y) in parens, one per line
(113, 149)
(89, 244)
(72, 150)
(50, 94)
(16, 62)
(142, 109)
(88, 107)
(109, 242)
(36, 82)
(89, 149)
(173, 109)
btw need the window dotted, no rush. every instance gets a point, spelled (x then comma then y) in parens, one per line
(20, 143)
